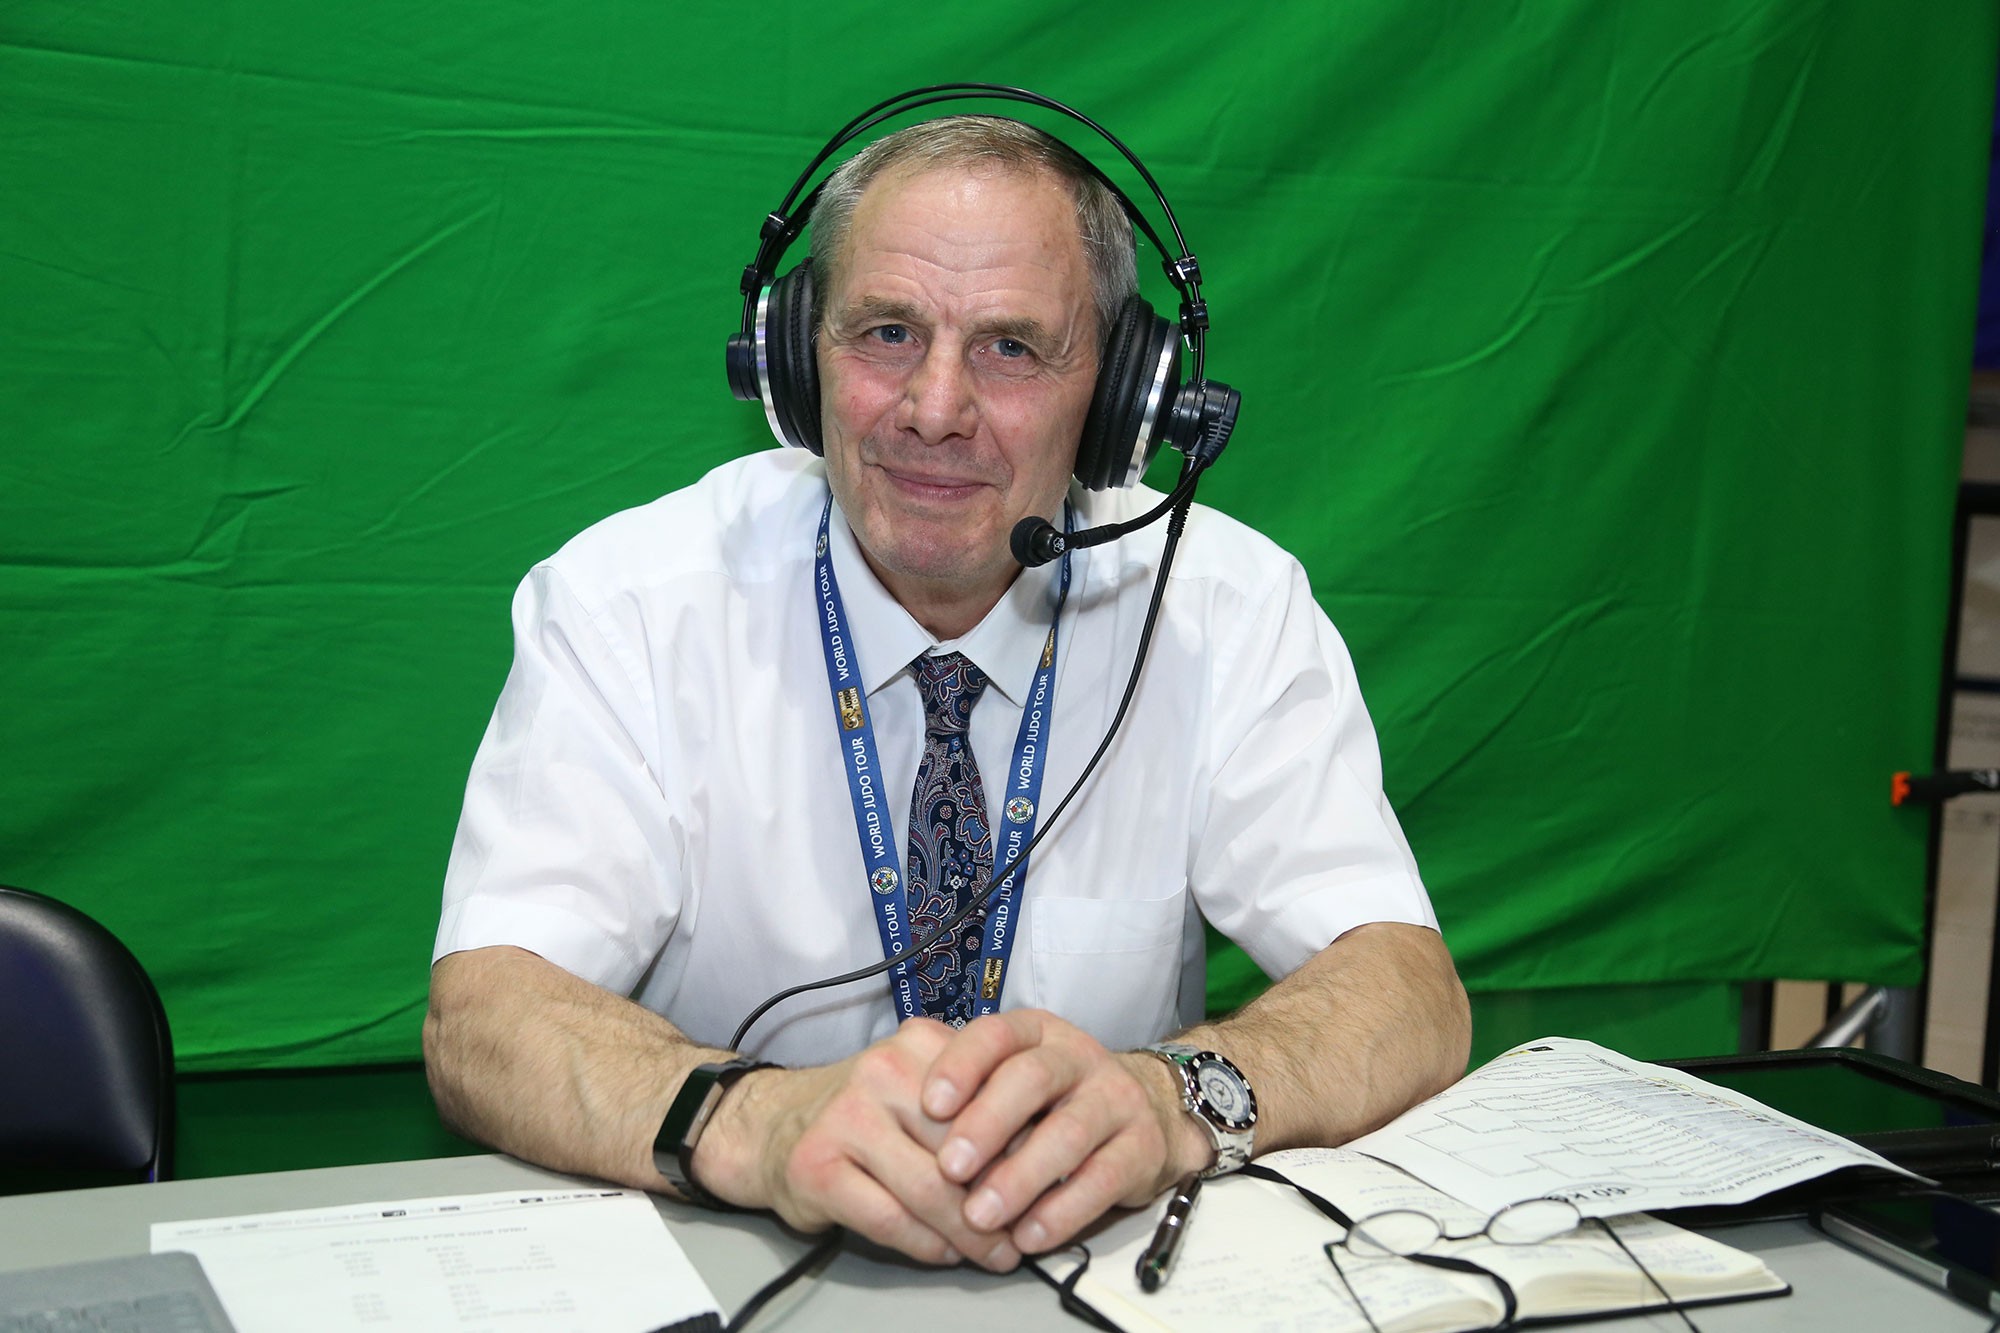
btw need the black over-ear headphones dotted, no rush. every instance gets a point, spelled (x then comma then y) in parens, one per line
(1139, 402)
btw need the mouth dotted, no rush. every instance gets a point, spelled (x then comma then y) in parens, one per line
(940, 487)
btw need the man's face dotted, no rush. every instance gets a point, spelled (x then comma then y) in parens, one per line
(956, 361)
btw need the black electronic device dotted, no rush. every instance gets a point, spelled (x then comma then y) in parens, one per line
(1139, 402)
(1947, 1242)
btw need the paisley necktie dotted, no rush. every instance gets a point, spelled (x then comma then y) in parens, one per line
(951, 848)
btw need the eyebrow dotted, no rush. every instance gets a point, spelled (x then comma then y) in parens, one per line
(875, 310)
(887, 310)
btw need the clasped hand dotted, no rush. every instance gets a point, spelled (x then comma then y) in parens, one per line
(1001, 1139)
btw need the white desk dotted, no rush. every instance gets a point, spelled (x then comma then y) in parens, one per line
(1832, 1289)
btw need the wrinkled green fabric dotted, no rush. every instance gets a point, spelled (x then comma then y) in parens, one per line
(1604, 363)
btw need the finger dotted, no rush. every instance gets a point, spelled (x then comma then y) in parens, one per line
(1057, 1148)
(892, 1070)
(864, 1207)
(972, 1055)
(1023, 1088)
(892, 1194)
(909, 1173)
(926, 1036)
(871, 1131)
(1109, 1178)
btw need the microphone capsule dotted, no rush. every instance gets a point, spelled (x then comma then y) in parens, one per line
(1036, 541)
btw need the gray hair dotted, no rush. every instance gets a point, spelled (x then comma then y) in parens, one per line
(1009, 145)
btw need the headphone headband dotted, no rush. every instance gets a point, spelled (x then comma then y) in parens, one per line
(770, 358)
(783, 224)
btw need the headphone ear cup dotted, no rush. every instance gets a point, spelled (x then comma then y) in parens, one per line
(791, 369)
(1136, 382)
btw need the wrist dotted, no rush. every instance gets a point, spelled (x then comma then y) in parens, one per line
(696, 1147)
(731, 1160)
(1189, 1149)
(1217, 1098)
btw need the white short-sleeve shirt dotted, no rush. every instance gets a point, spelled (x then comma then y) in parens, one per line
(660, 804)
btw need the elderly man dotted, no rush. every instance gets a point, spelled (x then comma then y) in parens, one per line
(660, 828)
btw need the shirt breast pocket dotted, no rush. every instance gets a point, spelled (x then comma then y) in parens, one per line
(1112, 966)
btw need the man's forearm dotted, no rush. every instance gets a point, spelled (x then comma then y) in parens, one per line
(529, 1058)
(537, 1062)
(1370, 1025)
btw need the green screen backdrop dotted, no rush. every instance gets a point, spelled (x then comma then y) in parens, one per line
(1604, 363)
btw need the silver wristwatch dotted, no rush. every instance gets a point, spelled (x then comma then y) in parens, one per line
(1218, 1097)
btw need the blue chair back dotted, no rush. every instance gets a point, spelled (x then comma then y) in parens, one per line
(86, 1057)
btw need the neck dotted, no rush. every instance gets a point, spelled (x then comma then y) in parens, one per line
(947, 609)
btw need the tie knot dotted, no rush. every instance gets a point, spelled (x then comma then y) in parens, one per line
(950, 686)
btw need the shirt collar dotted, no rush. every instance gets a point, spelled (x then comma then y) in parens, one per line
(1006, 645)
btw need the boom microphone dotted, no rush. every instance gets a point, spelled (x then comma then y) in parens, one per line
(1036, 541)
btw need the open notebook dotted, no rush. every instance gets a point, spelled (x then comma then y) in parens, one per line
(1253, 1259)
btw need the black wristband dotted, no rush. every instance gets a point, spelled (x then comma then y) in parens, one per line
(673, 1146)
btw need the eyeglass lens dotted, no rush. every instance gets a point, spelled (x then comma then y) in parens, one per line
(1403, 1231)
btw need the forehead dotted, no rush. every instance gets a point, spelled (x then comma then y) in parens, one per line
(962, 231)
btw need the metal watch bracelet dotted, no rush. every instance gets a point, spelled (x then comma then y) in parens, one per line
(1216, 1093)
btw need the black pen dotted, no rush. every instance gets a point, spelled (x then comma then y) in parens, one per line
(1158, 1259)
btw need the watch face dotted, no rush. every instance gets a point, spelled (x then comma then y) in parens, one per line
(1226, 1093)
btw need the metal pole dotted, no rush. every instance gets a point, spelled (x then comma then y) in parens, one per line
(1849, 1023)
(1893, 1029)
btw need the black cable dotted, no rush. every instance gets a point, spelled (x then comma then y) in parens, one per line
(1175, 523)
(1183, 490)
(820, 1253)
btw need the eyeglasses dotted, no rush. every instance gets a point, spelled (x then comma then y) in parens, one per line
(1405, 1233)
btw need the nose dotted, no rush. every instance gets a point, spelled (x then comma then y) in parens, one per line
(938, 402)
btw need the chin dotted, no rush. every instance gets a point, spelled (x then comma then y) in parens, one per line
(928, 543)
(941, 566)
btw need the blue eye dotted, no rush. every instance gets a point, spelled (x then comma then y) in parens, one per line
(893, 334)
(1011, 348)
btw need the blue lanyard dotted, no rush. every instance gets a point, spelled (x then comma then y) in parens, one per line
(864, 784)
